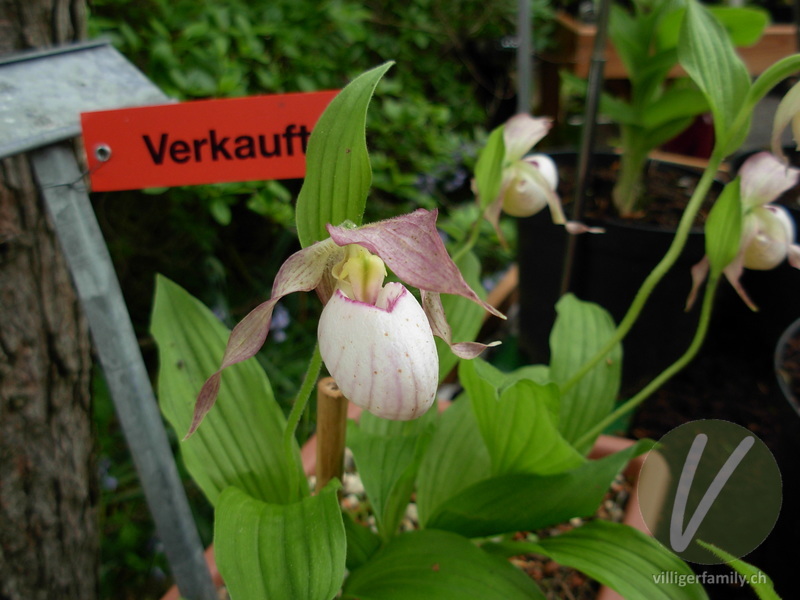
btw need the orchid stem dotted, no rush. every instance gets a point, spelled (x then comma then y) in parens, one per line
(666, 374)
(471, 240)
(656, 275)
(298, 408)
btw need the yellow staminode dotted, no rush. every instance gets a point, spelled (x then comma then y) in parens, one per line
(360, 274)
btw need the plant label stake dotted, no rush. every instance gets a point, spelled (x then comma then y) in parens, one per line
(43, 96)
(205, 141)
(331, 431)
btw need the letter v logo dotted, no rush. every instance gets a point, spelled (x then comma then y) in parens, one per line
(712, 481)
(680, 540)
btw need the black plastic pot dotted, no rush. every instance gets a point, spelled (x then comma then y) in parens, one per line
(608, 269)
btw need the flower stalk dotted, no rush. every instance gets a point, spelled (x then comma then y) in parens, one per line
(666, 374)
(298, 408)
(627, 193)
(656, 275)
(472, 239)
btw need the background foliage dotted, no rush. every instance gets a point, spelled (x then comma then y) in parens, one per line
(453, 78)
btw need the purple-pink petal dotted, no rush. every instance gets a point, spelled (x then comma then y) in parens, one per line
(764, 178)
(304, 269)
(411, 247)
(793, 256)
(733, 273)
(245, 341)
(699, 274)
(432, 305)
(522, 132)
(302, 272)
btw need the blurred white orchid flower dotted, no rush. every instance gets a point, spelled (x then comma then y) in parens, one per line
(529, 181)
(768, 231)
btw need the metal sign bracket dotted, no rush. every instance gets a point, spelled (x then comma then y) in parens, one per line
(41, 97)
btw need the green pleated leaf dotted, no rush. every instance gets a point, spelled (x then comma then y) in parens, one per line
(518, 421)
(464, 315)
(275, 552)
(456, 458)
(675, 104)
(438, 565)
(619, 110)
(489, 168)
(522, 502)
(745, 25)
(580, 330)
(724, 228)
(388, 455)
(338, 172)
(775, 73)
(707, 53)
(626, 32)
(756, 578)
(379, 426)
(620, 557)
(362, 542)
(240, 441)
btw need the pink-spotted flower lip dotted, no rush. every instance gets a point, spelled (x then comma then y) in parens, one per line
(410, 246)
(382, 356)
(528, 186)
(529, 181)
(768, 231)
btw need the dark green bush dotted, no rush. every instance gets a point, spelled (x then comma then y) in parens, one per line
(449, 84)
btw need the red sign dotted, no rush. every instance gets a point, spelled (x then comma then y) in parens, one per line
(206, 141)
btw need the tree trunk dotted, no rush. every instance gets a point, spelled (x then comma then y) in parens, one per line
(48, 495)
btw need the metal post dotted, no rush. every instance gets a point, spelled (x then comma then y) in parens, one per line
(524, 68)
(588, 135)
(97, 286)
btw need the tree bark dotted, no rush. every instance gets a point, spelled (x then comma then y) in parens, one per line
(48, 494)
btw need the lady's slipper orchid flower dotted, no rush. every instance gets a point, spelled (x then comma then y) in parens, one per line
(376, 340)
(767, 229)
(529, 181)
